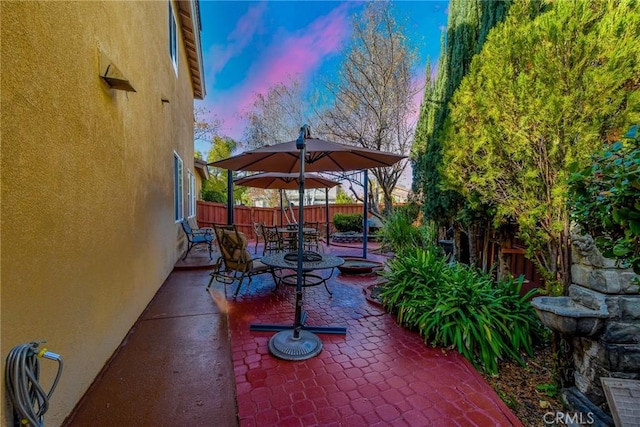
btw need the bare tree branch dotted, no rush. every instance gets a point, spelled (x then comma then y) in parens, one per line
(205, 125)
(372, 98)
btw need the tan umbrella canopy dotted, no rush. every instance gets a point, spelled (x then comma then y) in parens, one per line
(284, 181)
(320, 156)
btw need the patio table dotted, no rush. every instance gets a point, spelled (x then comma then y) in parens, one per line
(279, 260)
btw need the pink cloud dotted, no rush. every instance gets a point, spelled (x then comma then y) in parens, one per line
(297, 54)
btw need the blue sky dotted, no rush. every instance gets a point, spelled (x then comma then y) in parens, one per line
(249, 46)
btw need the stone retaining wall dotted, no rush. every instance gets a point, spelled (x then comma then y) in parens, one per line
(616, 351)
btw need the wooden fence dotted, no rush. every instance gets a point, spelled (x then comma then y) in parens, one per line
(488, 254)
(518, 264)
(244, 217)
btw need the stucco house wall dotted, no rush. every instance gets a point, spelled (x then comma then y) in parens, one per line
(87, 220)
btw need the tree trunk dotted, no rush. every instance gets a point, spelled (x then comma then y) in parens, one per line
(566, 255)
(485, 248)
(504, 259)
(456, 243)
(388, 205)
(472, 236)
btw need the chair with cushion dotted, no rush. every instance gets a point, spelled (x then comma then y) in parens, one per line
(194, 225)
(196, 237)
(235, 262)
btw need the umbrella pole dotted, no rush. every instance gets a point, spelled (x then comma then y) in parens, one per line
(297, 327)
(365, 222)
(297, 344)
(326, 208)
(229, 197)
(281, 209)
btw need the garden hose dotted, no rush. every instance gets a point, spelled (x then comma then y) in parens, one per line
(30, 402)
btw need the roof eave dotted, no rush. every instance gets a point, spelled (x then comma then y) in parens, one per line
(189, 12)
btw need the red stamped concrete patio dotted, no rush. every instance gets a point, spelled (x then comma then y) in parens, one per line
(379, 374)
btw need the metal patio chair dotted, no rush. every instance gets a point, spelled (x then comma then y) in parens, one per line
(257, 229)
(197, 237)
(311, 239)
(273, 241)
(194, 225)
(235, 262)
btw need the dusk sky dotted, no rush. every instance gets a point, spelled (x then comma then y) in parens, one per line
(249, 46)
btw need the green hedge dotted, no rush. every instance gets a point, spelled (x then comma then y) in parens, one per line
(348, 222)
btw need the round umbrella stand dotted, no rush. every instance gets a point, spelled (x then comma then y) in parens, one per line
(285, 345)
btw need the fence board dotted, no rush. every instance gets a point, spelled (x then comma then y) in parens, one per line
(519, 264)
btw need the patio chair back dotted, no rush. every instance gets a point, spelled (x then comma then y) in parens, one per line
(195, 227)
(272, 239)
(235, 262)
(257, 228)
(233, 248)
(312, 238)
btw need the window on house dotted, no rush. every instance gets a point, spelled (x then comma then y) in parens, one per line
(177, 187)
(173, 38)
(191, 194)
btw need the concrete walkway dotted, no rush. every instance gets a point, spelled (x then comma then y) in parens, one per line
(178, 366)
(173, 368)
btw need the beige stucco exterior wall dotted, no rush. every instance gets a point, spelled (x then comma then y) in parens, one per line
(87, 232)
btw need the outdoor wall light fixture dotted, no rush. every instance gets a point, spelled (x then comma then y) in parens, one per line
(113, 76)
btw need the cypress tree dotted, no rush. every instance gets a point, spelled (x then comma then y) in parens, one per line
(468, 25)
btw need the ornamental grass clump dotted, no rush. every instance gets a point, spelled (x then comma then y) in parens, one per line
(457, 306)
(399, 233)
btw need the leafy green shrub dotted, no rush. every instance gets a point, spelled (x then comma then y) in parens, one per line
(411, 210)
(342, 197)
(454, 305)
(212, 195)
(398, 232)
(604, 201)
(348, 222)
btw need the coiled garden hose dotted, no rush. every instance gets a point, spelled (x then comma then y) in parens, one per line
(30, 402)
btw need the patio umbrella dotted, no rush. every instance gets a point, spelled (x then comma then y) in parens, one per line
(289, 181)
(320, 156)
(284, 181)
(312, 155)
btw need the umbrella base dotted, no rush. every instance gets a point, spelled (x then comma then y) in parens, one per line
(284, 346)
